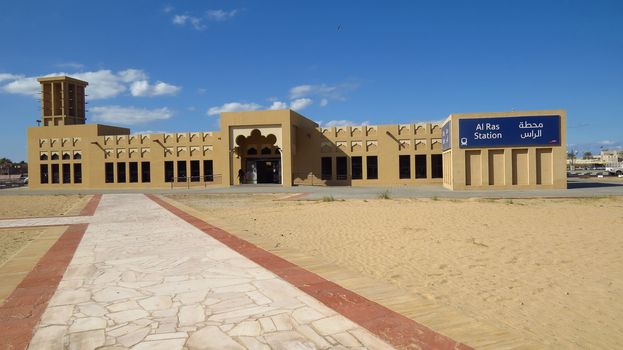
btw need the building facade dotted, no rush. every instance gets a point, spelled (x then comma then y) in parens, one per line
(267, 147)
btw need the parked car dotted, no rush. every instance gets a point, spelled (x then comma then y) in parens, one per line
(615, 170)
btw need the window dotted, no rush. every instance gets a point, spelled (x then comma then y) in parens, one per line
(43, 156)
(43, 173)
(77, 156)
(109, 173)
(54, 156)
(66, 173)
(145, 172)
(420, 166)
(181, 171)
(133, 171)
(208, 174)
(404, 166)
(78, 173)
(55, 175)
(195, 175)
(252, 151)
(326, 169)
(265, 150)
(168, 171)
(340, 168)
(66, 156)
(436, 166)
(356, 168)
(120, 172)
(372, 167)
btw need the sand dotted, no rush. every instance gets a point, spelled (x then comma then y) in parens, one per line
(550, 271)
(21, 206)
(14, 239)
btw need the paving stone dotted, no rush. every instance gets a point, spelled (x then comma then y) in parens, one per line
(58, 315)
(212, 338)
(86, 340)
(87, 324)
(246, 328)
(122, 330)
(306, 314)
(169, 344)
(288, 341)
(283, 322)
(191, 314)
(93, 310)
(267, 325)
(191, 297)
(127, 316)
(159, 302)
(134, 336)
(334, 324)
(163, 336)
(259, 298)
(166, 312)
(126, 305)
(310, 334)
(346, 339)
(368, 340)
(114, 294)
(70, 297)
(48, 338)
(251, 343)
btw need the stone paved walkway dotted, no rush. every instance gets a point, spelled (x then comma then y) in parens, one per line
(142, 278)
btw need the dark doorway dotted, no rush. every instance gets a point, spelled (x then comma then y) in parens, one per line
(263, 171)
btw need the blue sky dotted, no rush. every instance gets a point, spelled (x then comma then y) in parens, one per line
(172, 66)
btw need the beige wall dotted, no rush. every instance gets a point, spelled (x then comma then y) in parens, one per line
(405, 154)
(505, 167)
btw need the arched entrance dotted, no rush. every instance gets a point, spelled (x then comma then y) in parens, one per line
(260, 158)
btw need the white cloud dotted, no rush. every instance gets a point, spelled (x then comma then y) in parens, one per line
(180, 19)
(72, 65)
(342, 122)
(102, 84)
(9, 76)
(195, 22)
(23, 86)
(129, 115)
(278, 105)
(168, 9)
(143, 132)
(300, 103)
(233, 107)
(220, 15)
(143, 88)
(606, 142)
(325, 92)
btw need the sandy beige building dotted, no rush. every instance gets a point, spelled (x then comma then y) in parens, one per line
(283, 147)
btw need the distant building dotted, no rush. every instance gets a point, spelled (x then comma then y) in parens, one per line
(511, 150)
(611, 157)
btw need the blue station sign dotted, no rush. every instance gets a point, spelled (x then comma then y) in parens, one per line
(510, 131)
(445, 136)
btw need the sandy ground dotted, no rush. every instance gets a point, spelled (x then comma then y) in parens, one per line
(12, 240)
(41, 205)
(549, 270)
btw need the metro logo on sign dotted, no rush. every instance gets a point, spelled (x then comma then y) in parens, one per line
(510, 131)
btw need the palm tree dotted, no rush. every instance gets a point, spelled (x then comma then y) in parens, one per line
(5, 164)
(588, 155)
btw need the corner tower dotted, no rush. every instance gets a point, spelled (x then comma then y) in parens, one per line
(62, 101)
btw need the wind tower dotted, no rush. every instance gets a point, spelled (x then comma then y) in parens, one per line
(62, 101)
